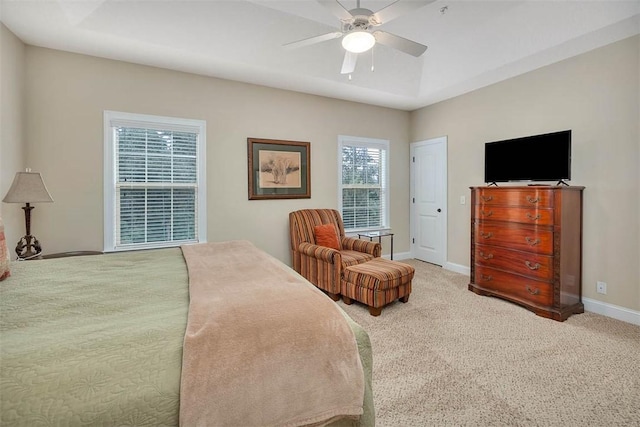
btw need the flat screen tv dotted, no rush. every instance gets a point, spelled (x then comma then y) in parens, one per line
(533, 158)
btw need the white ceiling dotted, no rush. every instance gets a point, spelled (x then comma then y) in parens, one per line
(471, 45)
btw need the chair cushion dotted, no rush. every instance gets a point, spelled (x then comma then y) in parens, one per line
(354, 257)
(327, 236)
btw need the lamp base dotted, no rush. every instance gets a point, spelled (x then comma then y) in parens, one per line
(28, 247)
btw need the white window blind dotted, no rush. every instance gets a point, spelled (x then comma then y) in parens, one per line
(154, 181)
(364, 181)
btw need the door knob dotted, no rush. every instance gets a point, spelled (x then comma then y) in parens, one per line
(439, 210)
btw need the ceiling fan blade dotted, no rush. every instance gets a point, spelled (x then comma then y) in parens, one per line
(398, 8)
(349, 63)
(400, 43)
(336, 9)
(313, 40)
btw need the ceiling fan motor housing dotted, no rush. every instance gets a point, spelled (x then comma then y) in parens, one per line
(361, 21)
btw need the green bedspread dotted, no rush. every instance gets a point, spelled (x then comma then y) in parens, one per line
(97, 340)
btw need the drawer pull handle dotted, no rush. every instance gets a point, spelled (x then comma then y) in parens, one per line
(483, 213)
(533, 218)
(485, 278)
(532, 266)
(487, 198)
(490, 256)
(532, 242)
(533, 291)
(532, 199)
(486, 235)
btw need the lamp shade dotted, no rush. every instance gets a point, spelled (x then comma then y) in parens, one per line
(358, 41)
(27, 187)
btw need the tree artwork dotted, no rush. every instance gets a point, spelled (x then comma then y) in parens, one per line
(279, 169)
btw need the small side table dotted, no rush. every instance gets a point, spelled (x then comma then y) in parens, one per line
(70, 254)
(379, 234)
(61, 255)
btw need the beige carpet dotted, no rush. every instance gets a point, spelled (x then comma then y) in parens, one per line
(450, 357)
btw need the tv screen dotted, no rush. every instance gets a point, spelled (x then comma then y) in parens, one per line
(533, 158)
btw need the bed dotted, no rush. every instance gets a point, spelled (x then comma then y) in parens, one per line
(98, 340)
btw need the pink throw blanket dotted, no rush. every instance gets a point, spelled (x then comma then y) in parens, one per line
(263, 347)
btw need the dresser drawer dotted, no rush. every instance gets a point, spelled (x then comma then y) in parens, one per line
(534, 197)
(514, 286)
(530, 264)
(537, 216)
(514, 236)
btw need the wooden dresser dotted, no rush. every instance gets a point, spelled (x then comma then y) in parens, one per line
(526, 247)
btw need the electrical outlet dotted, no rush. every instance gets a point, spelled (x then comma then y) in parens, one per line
(601, 287)
(463, 200)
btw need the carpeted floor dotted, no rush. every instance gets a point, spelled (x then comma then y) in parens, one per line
(450, 357)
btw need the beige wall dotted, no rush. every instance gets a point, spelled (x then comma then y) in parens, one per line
(67, 94)
(597, 96)
(12, 129)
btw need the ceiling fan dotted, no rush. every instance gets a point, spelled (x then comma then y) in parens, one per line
(356, 30)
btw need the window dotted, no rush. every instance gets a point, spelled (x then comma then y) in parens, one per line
(154, 181)
(364, 181)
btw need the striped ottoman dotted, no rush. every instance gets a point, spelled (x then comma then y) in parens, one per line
(376, 283)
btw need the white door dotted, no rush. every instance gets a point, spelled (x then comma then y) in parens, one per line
(429, 200)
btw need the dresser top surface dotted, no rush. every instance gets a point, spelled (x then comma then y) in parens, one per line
(530, 187)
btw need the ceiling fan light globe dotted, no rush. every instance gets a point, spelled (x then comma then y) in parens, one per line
(358, 41)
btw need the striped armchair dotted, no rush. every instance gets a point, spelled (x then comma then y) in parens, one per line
(320, 265)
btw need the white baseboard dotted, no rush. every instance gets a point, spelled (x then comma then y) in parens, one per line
(613, 311)
(457, 268)
(399, 256)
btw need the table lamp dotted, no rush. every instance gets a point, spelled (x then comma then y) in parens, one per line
(28, 187)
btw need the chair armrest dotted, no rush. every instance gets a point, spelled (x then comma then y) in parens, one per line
(353, 244)
(320, 252)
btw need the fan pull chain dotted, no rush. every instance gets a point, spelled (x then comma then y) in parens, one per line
(373, 68)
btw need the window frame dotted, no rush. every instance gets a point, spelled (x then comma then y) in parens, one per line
(113, 119)
(383, 144)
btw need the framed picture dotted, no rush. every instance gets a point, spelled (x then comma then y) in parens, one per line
(279, 169)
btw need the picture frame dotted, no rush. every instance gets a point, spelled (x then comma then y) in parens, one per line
(278, 169)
